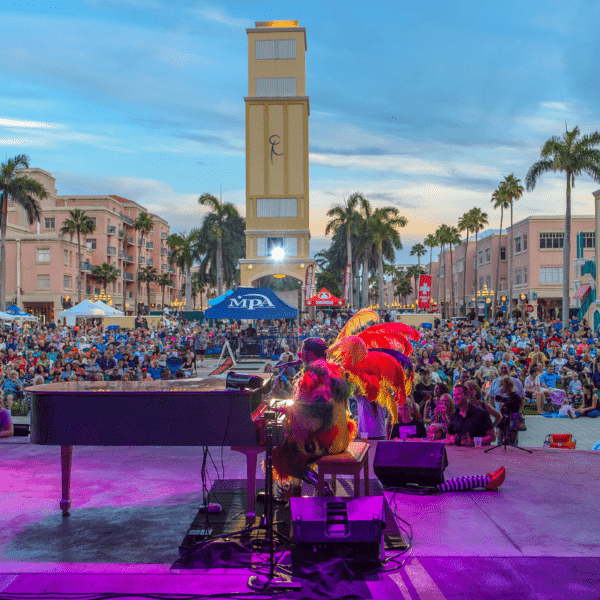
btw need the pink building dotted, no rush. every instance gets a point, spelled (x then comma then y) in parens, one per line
(42, 263)
(537, 265)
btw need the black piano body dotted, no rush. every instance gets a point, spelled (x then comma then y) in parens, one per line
(135, 413)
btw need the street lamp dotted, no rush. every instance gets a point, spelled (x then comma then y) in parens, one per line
(104, 297)
(487, 297)
(177, 304)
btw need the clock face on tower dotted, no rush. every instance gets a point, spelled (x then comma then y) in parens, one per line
(274, 140)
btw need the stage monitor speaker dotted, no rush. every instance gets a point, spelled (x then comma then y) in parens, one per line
(402, 464)
(350, 528)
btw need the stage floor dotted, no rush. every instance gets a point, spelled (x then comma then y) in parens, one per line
(537, 538)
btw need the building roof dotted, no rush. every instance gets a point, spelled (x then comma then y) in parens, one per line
(120, 199)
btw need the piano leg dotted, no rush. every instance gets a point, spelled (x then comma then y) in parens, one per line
(66, 457)
(251, 454)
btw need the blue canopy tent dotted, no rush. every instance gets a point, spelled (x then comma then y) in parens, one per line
(220, 298)
(252, 303)
(14, 310)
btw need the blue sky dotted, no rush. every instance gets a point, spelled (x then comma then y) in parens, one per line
(424, 107)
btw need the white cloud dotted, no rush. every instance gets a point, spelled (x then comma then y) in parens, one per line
(555, 105)
(219, 16)
(29, 124)
(15, 142)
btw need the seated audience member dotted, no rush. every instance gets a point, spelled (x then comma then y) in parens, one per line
(408, 426)
(145, 375)
(548, 380)
(154, 370)
(430, 406)
(425, 388)
(533, 388)
(165, 375)
(440, 418)
(575, 388)
(589, 404)
(6, 424)
(468, 422)
(12, 388)
(476, 399)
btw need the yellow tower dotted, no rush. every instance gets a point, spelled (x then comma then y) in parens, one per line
(277, 110)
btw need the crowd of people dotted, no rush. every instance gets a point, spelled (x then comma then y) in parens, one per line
(465, 373)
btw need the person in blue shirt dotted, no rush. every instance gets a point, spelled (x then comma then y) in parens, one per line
(548, 380)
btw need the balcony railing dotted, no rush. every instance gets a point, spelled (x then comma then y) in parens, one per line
(86, 266)
(589, 268)
(121, 233)
(130, 240)
(150, 262)
(127, 219)
(164, 236)
(164, 267)
(128, 276)
(140, 241)
(163, 251)
(172, 269)
(111, 229)
(150, 245)
(589, 298)
(129, 257)
(142, 260)
(112, 250)
(122, 254)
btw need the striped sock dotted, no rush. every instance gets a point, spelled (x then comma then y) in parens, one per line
(463, 483)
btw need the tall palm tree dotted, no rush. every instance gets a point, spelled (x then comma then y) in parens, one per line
(499, 201)
(365, 246)
(453, 240)
(148, 275)
(78, 223)
(466, 224)
(404, 288)
(513, 190)
(186, 251)
(413, 272)
(221, 213)
(572, 155)
(106, 273)
(144, 225)
(418, 250)
(24, 191)
(479, 220)
(198, 284)
(442, 235)
(384, 225)
(164, 281)
(431, 242)
(346, 215)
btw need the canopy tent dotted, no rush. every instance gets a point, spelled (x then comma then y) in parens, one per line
(17, 313)
(85, 309)
(114, 312)
(252, 303)
(6, 317)
(220, 298)
(324, 298)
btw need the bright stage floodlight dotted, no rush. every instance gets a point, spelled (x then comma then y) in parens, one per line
(277, 253)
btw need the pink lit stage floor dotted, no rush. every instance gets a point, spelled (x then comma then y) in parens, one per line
(537, 538)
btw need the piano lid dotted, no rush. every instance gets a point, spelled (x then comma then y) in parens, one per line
(210, 384)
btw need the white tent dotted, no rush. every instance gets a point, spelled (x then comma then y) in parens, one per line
(114, 312)
(85, 309)
(6, 317)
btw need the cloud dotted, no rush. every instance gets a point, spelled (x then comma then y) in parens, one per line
(29, 124)
(217, 15)
(16, 142)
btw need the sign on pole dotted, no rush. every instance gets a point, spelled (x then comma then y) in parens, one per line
(308, 282)
(424, 291)
(347, 285)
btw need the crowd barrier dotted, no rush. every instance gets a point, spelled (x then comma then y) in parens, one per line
(262, 346)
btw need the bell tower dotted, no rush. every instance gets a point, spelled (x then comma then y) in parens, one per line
(277, 110)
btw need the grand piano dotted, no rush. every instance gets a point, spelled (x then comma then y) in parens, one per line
(157, 413)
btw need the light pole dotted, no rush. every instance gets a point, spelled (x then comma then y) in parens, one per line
(104, 297)
(487, 297)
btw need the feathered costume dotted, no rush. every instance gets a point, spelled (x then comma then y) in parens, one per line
(375, 360)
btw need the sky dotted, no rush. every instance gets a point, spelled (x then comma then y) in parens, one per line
(425, 107)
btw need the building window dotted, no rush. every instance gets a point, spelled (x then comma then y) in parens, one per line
(488, 282)
(119, 288)
(481, 257)
(91, 243)
(589, 239)
(43, 255)
(275, 86)
(518, 277)
(276, 207)
(524, 242)
(264, 246)
(525, 275)
(481, 283)
(273, 49)
(503, 253)
(43, 282)
(503, 284)
(459, 265)
(552, 240)
(488, 255)
(67, 282)
(518, 244)
(66, 257)
(551, 275)
(49, 223)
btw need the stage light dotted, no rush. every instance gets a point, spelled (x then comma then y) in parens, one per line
(278, 253)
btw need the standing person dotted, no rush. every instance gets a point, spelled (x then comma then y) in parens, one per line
(6, 424)
(200, 345)
(372, 418)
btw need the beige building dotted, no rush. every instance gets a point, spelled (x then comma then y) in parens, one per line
(277, 193)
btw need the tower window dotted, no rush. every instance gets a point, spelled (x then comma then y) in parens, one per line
(275, 86)
(276, 207)
(273, 49)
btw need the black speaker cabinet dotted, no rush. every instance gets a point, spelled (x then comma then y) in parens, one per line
(398, 464)
(350, 528)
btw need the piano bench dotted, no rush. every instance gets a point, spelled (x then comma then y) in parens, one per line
(350, 462)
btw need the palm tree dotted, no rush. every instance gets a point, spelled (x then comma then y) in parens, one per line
(431, 242)
(453, 240)
(106, 273)
(442, 237)
(384, 225)
(144, 225)
(499, 201)
(24, 191)
(572, 156)
(149, 275)
(221, 213)
(404, 288)
(345, 215)
(186, 250)
(365, 246)
(78, 223)
(513, 190)
(413, 272)
(164, 281)
(466, 224)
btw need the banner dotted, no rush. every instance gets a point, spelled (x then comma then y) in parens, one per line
(308, 283)
(347, 285)
(424, 291)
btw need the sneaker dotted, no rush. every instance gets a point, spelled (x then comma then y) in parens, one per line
(496, 479)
